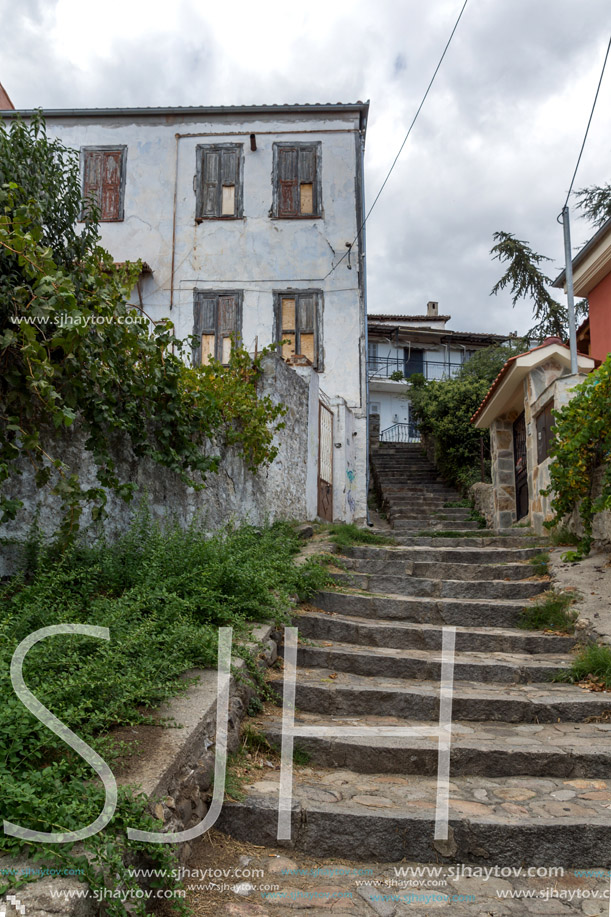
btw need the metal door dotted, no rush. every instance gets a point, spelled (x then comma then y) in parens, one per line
(325, 463)
(519, 454)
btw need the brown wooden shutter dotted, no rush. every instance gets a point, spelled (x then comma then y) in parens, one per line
(110, 208)
(204, 328)
(229, 181)
(307, 326)
(288, 197)
(307, 180)
(227, 326)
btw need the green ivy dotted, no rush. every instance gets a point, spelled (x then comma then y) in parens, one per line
(582, 446)
(72, 355)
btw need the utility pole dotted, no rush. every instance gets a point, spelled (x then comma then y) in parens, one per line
(566, 226)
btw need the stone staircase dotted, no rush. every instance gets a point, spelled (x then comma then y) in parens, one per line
(530, 759)
(412, 494)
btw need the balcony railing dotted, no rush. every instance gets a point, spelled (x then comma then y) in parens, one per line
(400, 433)
(395, 368)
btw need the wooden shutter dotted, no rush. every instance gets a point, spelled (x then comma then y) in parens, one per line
(288, 198)
(227, 326)
(210, 184)
(92, 177)
(307, 326)
(204, 328)
(307, 180)
(229, 183)
(112, 173)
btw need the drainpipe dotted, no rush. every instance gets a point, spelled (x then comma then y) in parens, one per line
(363, 250)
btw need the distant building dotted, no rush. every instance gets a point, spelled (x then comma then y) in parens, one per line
(592, 280)
(400, 346)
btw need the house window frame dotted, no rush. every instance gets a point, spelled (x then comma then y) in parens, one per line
(317, 206)
(200, 294)
(198, 182)
(279, 331)
(544, 431)
(105, 148)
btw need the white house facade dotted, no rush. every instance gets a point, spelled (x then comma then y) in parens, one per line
(399, 346)
(247, 219)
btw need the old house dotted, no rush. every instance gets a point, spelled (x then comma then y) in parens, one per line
(518, 412)
(400, 346)
(592, 280)
(247, 221)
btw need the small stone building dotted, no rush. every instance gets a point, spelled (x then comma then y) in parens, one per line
(518, 412)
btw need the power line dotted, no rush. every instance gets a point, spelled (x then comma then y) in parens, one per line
(585, 136)
(405, 139)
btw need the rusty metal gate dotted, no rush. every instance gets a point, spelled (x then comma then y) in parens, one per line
(325, 463)
(519, 454)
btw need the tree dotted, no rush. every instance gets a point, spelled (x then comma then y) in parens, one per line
(443, 410)
(526, 279)
(72, 349)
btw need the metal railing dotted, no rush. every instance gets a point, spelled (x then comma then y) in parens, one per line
(400, 433)
(400, 369)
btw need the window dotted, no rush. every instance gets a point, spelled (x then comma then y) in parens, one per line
(104, 180)
(413, 362)
(545, 423)
(298, 322)
(297, 180)
(217, 317)
(218, 182)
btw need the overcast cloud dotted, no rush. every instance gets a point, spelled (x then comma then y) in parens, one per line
(494, 148)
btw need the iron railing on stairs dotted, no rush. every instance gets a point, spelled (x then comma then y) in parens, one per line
(400, 433)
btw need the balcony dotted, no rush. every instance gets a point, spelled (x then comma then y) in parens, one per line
(395, 369)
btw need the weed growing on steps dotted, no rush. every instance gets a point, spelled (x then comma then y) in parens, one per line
(163, 593)
(560, 537)
(592, 665)
(551, 611)
(456, 504)
(344, 535)
(540, 564)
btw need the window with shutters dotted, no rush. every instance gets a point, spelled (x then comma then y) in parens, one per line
(545, 423)
(103, 169)
(298, 322)
(297, 180)
(217, 320)
(218, 182)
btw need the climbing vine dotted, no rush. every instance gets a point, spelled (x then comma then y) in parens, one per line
(582, 446)
(75, 353)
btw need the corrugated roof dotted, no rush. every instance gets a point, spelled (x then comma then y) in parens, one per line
(305, 107)
(410, 318)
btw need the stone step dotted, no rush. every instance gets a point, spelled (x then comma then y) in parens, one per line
(426, 524)
(387, 662)
(461, 612)
(398, 566)
(484, 749)
(347, 694)
(484, 540)
(454, 555)
(432, 588)
(508, 821)
(317, 624)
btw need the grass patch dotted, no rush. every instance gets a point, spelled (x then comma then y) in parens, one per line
(592, 666)
(551, 611)
(346, 534)
(540, 564)
(561, 537)
(456, 504)
(163, 593)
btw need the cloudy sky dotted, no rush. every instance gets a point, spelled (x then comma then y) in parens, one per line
(494, 147)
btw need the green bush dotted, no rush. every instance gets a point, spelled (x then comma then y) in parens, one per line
(593, 663)
(163, 594)
(582, 445)
(443, 411)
